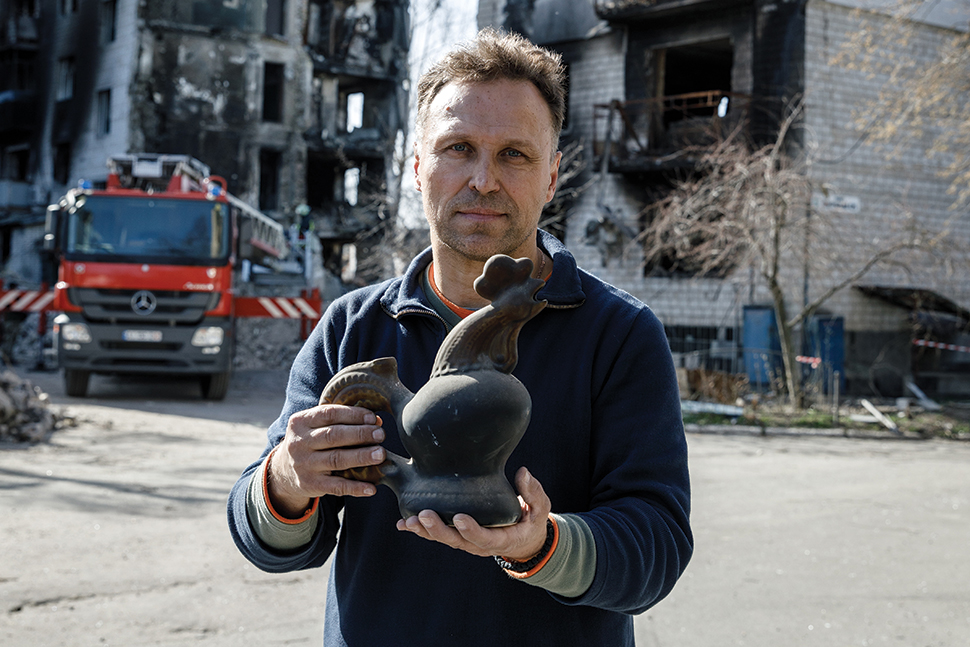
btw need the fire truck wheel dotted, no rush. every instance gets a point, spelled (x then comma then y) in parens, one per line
(76, 382)
(215, 386)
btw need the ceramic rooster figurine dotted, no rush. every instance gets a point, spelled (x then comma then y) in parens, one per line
(461, 427)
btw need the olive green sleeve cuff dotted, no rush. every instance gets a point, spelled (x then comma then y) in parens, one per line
(273, 530)
(571, 568)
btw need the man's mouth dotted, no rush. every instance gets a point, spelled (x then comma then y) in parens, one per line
(481, 214)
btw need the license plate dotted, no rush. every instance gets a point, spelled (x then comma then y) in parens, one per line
(142, 335)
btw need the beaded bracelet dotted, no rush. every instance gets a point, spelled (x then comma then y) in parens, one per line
(526, 566)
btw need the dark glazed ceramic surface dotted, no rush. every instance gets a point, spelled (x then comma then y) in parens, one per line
(463, 424)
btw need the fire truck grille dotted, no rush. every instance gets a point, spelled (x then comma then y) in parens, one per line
(143, 306)
(140, 345)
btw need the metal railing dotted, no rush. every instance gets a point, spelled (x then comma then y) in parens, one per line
(661, 126)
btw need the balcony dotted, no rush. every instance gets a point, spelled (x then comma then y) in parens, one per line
(666, 132)
(14, 194)
(360, 144)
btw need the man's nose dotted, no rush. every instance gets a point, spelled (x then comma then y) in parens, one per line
(484, 177)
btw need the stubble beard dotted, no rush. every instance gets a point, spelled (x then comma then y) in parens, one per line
(479, 242)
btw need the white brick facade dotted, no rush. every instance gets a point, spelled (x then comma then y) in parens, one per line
(887, 183)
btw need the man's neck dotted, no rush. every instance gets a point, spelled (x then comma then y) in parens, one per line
(455, 275)
(455, 280)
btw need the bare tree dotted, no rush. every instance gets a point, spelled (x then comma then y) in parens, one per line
(926, 85)
(569, 186)
(745, 206)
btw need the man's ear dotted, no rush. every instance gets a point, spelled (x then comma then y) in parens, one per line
(554, 176)
(417, 163)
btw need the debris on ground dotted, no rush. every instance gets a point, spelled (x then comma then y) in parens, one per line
(880, 417)
(25, 410)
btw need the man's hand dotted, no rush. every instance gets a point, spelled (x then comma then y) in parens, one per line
(319, 441)
(518, 542)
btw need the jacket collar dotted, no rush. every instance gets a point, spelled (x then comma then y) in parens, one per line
(563, 289)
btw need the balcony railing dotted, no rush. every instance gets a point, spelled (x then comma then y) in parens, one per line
(657, 132)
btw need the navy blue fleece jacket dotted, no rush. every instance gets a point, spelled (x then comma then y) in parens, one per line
(606, 441)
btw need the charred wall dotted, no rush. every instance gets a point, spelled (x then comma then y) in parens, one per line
(778, 62)
(196, 100)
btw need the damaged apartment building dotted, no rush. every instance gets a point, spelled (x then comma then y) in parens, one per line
(650, 78)
(298, 104)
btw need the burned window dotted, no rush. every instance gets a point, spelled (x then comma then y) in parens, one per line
(270, 162)
(273, 78)
(62, 163)
(693, 70)
(65, 78)
(104, 112)
(275, 17)
(351, 186)
(108, 20)
(15, 163)
(26, 8)
(355, 111)
(16, 70)
(321, 178)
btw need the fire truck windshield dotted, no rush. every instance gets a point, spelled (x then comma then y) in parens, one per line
(163, 230)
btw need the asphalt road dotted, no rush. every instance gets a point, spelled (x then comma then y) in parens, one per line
(114, 533)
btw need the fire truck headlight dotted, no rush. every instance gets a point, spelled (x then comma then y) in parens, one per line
(208, 336)
(75, 332)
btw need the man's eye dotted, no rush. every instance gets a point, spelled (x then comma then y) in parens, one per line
(513, 153)
(461, 148)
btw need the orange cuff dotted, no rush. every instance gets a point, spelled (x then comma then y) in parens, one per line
(269, 504)
(545, 560)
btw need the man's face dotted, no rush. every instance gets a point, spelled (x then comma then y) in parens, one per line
(485, 167)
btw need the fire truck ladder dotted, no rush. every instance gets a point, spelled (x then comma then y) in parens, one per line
(266, 234)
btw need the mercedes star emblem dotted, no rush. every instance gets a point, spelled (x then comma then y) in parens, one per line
(143, 302)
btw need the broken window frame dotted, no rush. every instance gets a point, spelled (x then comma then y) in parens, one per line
(66, 71)
(19, 68)
(16, 163)
(351, 188)
(62, 163)
(275, 18)
(103, 114)
(354, 110)
(270, 167)
(274, 84)
(109, 18)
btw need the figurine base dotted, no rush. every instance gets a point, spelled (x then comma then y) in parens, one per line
(489, 500)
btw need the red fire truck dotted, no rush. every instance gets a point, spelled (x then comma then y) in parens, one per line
(147, 272)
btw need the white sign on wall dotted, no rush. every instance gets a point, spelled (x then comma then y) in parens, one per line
(833, 202)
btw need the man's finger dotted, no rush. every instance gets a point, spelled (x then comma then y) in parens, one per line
(537, 504)
(328, 415)
(334, 460)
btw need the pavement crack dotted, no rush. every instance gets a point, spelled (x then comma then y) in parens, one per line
(58, 600)
(33, 604)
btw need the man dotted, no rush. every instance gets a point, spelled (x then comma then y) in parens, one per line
(602, 468)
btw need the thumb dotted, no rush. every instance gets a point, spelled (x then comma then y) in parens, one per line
(532, 493)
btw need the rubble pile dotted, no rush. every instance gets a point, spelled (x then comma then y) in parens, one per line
(263, 344)
(25, 413)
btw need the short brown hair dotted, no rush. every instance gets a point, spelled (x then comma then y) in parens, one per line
(492, 56)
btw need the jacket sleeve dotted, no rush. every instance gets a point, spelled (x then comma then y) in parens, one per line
(640, 499)
(307, 378)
